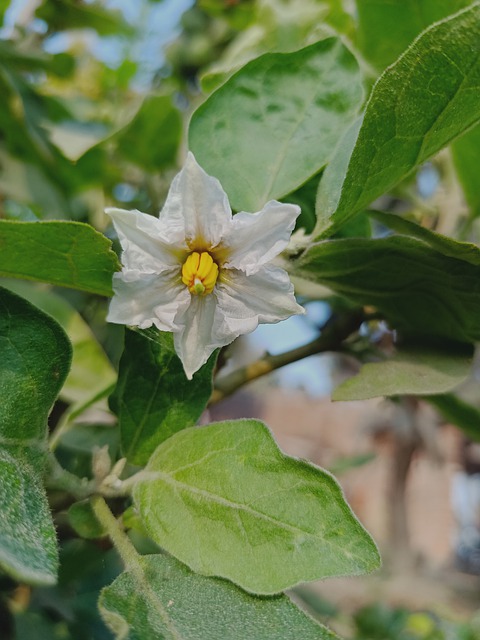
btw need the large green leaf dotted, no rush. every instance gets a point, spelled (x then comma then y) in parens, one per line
(387, 27)
(417, 288)
(91, 371)
(425, 100)
(153, 398)
(35, 357)
(417, 371)
(69, 254)
(466, 158)
(164, 599)
(227, 502)
(275, 123)
(28, 546)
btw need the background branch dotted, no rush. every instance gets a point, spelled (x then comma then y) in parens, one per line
(335, 331)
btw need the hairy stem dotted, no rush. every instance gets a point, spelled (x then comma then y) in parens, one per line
(337, 329)
(120, 540)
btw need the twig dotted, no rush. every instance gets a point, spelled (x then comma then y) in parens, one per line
(337, 329)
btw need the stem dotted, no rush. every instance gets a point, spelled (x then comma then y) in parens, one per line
(61, 479)
(120, 540)
(134, 563)
(337, 329)
(66, 421)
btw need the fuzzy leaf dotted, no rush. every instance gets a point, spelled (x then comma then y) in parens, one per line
(28, 545)
(227, 502)
(169, 601)
(35, 357)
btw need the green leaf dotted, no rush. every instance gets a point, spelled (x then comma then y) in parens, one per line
(466, 158)
(69, 254)
(417, 371)
(63, 15)
(466, 251)
(35, 357)
(82, 518)
(28, 546)
(387, 27)
(91, 371)
(417, 288)
(167, 600)
(458, 412)
(153, 398)
(277, 120)
(157, 120)
(420, 104)
(257, 517)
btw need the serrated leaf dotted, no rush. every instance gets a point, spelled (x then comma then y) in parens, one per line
(466, 251)
(35, 357)
(226, 501)
(28, 545)
(420, 104)
(68, 254)
(153, 398)
(417, 288)
(275, 123)
(387, 27)
(167, 600)
(466, 158)
(416, 371)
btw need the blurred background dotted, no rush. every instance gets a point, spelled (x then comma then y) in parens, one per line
(96, 98)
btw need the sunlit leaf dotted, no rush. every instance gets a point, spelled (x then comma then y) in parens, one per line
(420, 104)
(275, 123)
(227, 502)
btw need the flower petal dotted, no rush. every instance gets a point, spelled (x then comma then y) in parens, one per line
(143, 299)
(198, 202)
(147, 244)
(197, 340)
(256, 238)
(245, 301)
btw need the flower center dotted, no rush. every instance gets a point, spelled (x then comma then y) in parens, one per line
(200, 273)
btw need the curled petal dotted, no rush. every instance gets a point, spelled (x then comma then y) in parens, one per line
(147, 245)
(144, 299)
(256, 238)
(197, 339)
(198, 202)
(245, 301)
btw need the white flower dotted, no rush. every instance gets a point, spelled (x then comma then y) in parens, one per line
(200, 272)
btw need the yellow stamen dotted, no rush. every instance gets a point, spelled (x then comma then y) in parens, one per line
(200, 273)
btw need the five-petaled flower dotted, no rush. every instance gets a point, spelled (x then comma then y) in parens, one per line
(200, 272)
